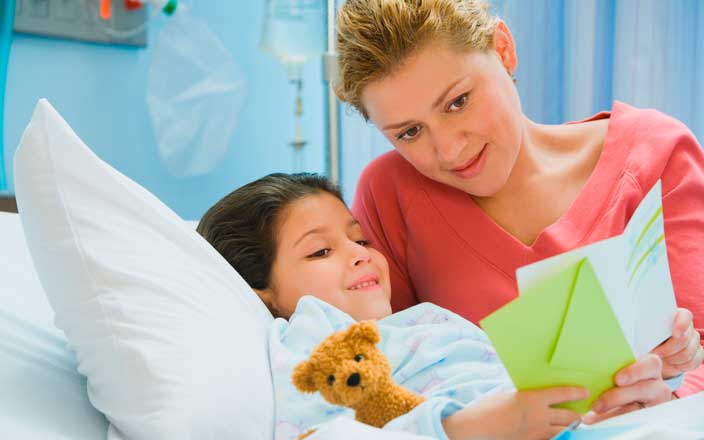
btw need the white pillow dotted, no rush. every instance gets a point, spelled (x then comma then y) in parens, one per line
(171, 339)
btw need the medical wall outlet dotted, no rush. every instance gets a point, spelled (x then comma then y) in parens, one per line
(102, 21)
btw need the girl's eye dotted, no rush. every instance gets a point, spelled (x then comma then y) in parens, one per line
(364, 243)
(358, 358)
(319, 254)
(458, 103)
(409, 134)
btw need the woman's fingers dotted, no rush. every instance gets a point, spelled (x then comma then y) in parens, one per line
(698, 358)
(647, 367)
(644, 393)
(694, 362)
(682, 327)
(674, 345)
(687, 354)
(683, 351)
(592, 417)
(683, 321)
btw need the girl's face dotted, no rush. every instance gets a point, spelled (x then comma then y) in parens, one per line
(455, 116)
(321, 252)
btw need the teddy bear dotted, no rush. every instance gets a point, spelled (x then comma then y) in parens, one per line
(349, 370)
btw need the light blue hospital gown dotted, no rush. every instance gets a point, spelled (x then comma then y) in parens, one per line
(431, 350)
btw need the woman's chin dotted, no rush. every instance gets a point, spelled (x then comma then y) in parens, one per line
(483, 186)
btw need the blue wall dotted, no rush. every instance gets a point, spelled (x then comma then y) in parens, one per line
(100, 91)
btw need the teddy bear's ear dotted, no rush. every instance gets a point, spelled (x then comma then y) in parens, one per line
(364, 330)
(303, 377)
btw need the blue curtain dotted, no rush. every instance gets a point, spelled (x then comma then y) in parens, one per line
(576, 56)
(7, 18)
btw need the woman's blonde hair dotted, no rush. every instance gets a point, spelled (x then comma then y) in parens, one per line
(375, 36)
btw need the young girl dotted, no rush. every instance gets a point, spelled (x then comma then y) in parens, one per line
(292, 235)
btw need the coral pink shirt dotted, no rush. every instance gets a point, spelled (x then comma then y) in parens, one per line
(444, 249)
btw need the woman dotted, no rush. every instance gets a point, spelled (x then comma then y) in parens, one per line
(474, 189)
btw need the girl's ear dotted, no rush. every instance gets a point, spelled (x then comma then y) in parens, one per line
(505, 47)
(269, 299)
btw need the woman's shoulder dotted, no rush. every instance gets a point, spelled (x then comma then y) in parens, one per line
(652, 140)
(388, 179)
(389, 166)
(629, 122)
(644, 122)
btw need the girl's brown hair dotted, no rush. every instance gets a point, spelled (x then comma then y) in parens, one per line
(374, 37)
(243, 225)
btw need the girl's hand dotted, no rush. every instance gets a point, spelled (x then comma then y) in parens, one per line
(638, 385)
(683, 351)
(516, 415)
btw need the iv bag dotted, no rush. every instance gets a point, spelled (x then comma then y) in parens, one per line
(195, 93)
(294, 30)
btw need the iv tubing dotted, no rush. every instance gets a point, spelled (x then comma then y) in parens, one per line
(333, 110)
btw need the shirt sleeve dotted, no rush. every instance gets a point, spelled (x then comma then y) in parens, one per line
(683, 208)
(377, 208)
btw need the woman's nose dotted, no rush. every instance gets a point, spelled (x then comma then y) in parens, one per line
(448, 147)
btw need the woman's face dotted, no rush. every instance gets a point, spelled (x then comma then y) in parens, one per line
(455, 116)
(321, 252)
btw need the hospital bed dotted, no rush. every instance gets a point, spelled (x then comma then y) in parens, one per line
(44, 397)
(42, 393)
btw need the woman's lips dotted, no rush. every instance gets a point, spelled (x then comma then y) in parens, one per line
(474, 166)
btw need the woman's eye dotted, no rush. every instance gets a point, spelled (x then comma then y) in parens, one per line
(458, 103)
(364, 243)
(358, 358)
(409, 134)
(321, 253)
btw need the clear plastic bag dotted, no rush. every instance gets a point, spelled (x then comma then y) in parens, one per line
(195, 93)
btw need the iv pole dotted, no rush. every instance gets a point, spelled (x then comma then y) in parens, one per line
(333, 110)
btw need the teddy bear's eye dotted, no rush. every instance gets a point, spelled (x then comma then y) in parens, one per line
(331, 379)
(358, 358)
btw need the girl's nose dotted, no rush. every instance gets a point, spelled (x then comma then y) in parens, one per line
(360, 255)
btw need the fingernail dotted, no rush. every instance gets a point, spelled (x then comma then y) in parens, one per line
(622, 380)
(598, 406)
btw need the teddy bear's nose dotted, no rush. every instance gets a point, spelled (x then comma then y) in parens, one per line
(353, 380)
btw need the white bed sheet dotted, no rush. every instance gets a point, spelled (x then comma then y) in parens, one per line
(343, 428)
(43, 396)
(21, 293)
(686, 413)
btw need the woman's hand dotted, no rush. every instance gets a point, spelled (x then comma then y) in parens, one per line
(516, 415)
(683, 351)
(638, 385)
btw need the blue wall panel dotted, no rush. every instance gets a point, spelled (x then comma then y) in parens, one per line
(100, 91)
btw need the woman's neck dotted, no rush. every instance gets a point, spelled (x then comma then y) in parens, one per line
(553, 165)
(554, 153)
